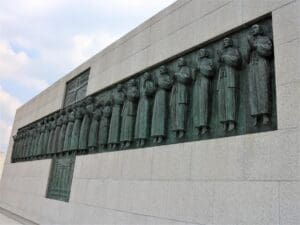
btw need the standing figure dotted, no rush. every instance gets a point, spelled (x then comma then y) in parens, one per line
(115, 122)
(179, 97)
(59, 123)
(41, 138)
(129, 113)
(14, 151)
(160, 110)
(261, 49)
(36, 138)
(142, 123)
(21, 144)
(79, 113)
(86, 123)
(94, 130)
(63, 120)
(51, 135)
(230, 59)
(27, 142)
(70, 124)
(46, 137)
(104, 124)
(202, 92)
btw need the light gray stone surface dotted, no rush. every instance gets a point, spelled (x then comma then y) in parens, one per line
(244, 180)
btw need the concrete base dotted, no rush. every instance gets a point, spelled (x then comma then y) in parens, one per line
(244, 180)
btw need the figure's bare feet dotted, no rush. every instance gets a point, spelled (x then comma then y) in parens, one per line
(204, 130)
(231, 126)
(266, 119)
(180, 134)
(159, 139)
(255, 121)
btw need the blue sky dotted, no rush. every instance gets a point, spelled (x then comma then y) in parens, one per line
(41, 40)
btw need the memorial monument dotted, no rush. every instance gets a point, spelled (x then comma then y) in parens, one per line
(194, 120)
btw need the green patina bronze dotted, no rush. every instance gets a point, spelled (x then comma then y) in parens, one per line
(202, 93)
(60, 179)
(222, 88)
(143, 116)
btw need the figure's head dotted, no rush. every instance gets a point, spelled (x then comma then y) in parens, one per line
(55, 115)
(146, 76)
(131, 83)
(163, 69)
(202, 53)
(61, 112)
(108, 101)
(119, 87)
(227, 42)
(89, 100)
(82, 104)
(256, 29)
(181, 62)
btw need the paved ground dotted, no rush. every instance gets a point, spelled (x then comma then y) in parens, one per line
(7, 220)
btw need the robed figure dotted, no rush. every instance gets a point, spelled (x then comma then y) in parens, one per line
(70, 124)
(46, 136)
(118, 98)
(94, 129)
(79, 113)
(104, 124)
(62, 132)
(129, 113)
(20, 144)
(86, 123)
(260, 52)
(27, 142)
(36, 138)
(160, 105)
(202, 91)
(179, 98)
(51, 128)
(143, 116)
(41, 138)
(59, 123)
(229, 59)
(14, 152)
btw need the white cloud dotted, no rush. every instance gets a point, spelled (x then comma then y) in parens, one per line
(5, 129)
(86, 45)
(15, 66)
(8, 106)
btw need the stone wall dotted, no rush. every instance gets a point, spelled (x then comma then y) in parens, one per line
(249, 179)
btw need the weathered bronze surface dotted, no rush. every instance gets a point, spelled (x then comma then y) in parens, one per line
(60, 180)
(222, 88)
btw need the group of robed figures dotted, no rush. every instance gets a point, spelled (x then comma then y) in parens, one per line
(140, 110)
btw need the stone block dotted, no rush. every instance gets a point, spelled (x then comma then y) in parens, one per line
(95, 192)
(289, 203)
(171, 162)
(286, 23)
(137, 164)
(190, 201)
(286, 62)
(288, 105)
(256, 8)
(112, 197)
(78, 188)
(218, 159)
(272, 156)
(247, 203)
